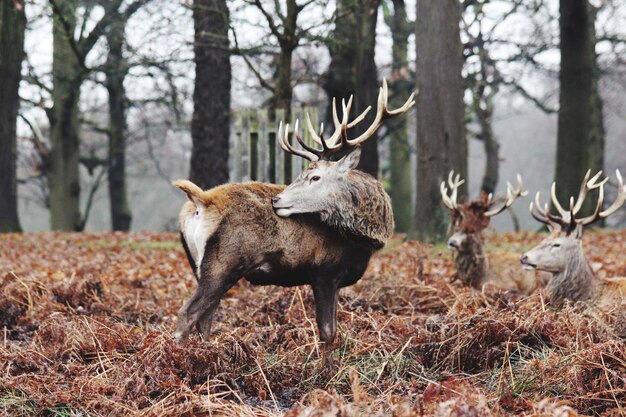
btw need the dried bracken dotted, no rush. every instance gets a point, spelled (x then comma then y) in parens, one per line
(86, 328)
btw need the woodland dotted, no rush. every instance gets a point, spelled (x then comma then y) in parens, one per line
(104, 103)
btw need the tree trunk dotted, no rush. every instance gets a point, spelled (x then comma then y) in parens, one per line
(63, 175)
(352, 69)
(121, 215)
(210, 124)
(12, 25)
(284, 91)
(441, 144)
(492, 148)
(401, 86)
(580, 142)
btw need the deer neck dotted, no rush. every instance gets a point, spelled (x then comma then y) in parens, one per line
(362, 212)
(471, 266)
(575, 282)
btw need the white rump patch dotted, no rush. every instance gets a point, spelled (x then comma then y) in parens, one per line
(198, 228)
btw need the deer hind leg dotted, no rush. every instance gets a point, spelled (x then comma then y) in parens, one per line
(325, 294)
(206, 319)
(199, 310)
(189, 314)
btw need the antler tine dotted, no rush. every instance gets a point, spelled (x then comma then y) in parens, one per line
(555, 201)
(586, 186)
(382, 113)
(454, 183)
(570, 221)
(304, 145)
(342, 125)
(543, 215)
(455, 186)
(535, 211)
(568, 217)
(596, 213)
(512, 194)
(444, 196)
(621, 196)
(283, 133)
(338, 141)
(360, 117)
(317, 138)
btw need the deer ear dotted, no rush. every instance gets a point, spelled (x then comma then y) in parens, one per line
(350, 161)
(578, 232)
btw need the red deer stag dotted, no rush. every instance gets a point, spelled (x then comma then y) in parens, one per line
(320, 231)
(473, 266)
(561, 253)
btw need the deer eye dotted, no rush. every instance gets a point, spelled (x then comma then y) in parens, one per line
(315, 178)
(556, 245)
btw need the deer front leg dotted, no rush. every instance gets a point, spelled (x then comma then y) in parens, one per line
(325, 294)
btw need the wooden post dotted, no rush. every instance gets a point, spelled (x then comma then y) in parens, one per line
(236, 140)
(263, 145)
(255, 153)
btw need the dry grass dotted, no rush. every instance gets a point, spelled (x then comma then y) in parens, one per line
(86, 323)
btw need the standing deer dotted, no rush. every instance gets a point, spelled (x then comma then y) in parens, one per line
(321, 230)
(561, 253)
(473, 266)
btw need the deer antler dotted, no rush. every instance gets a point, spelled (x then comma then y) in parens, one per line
(567, 219)
(512, 194)
(454, 183)
(338, 141)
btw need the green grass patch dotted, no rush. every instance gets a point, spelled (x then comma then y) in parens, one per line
(17, 404)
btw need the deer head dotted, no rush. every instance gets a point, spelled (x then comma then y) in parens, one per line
(320, 187)
(471, 218)
(562, 250)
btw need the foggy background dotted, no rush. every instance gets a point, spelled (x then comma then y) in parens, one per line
(159, 143)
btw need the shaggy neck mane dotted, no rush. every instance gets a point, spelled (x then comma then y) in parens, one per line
(362, 210)
(576, 282)
(470, 262)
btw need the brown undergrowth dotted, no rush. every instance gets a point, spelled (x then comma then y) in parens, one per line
(86, 323)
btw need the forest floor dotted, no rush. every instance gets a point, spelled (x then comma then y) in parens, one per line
(87, 322)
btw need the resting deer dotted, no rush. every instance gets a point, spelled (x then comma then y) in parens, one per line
(561, 253)
(321, 230)
(473, 266)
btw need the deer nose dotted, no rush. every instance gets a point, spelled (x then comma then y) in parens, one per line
(275, 199)
(523, 259)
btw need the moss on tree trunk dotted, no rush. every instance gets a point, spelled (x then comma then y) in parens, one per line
(67, 74)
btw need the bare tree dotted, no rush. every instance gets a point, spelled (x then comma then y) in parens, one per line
(441, 142)
(288, 33)
(352, 69)
(401, 84)
(482, 80)
(69, 70)
(580, 142)
(116, 69)
(12, 25)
